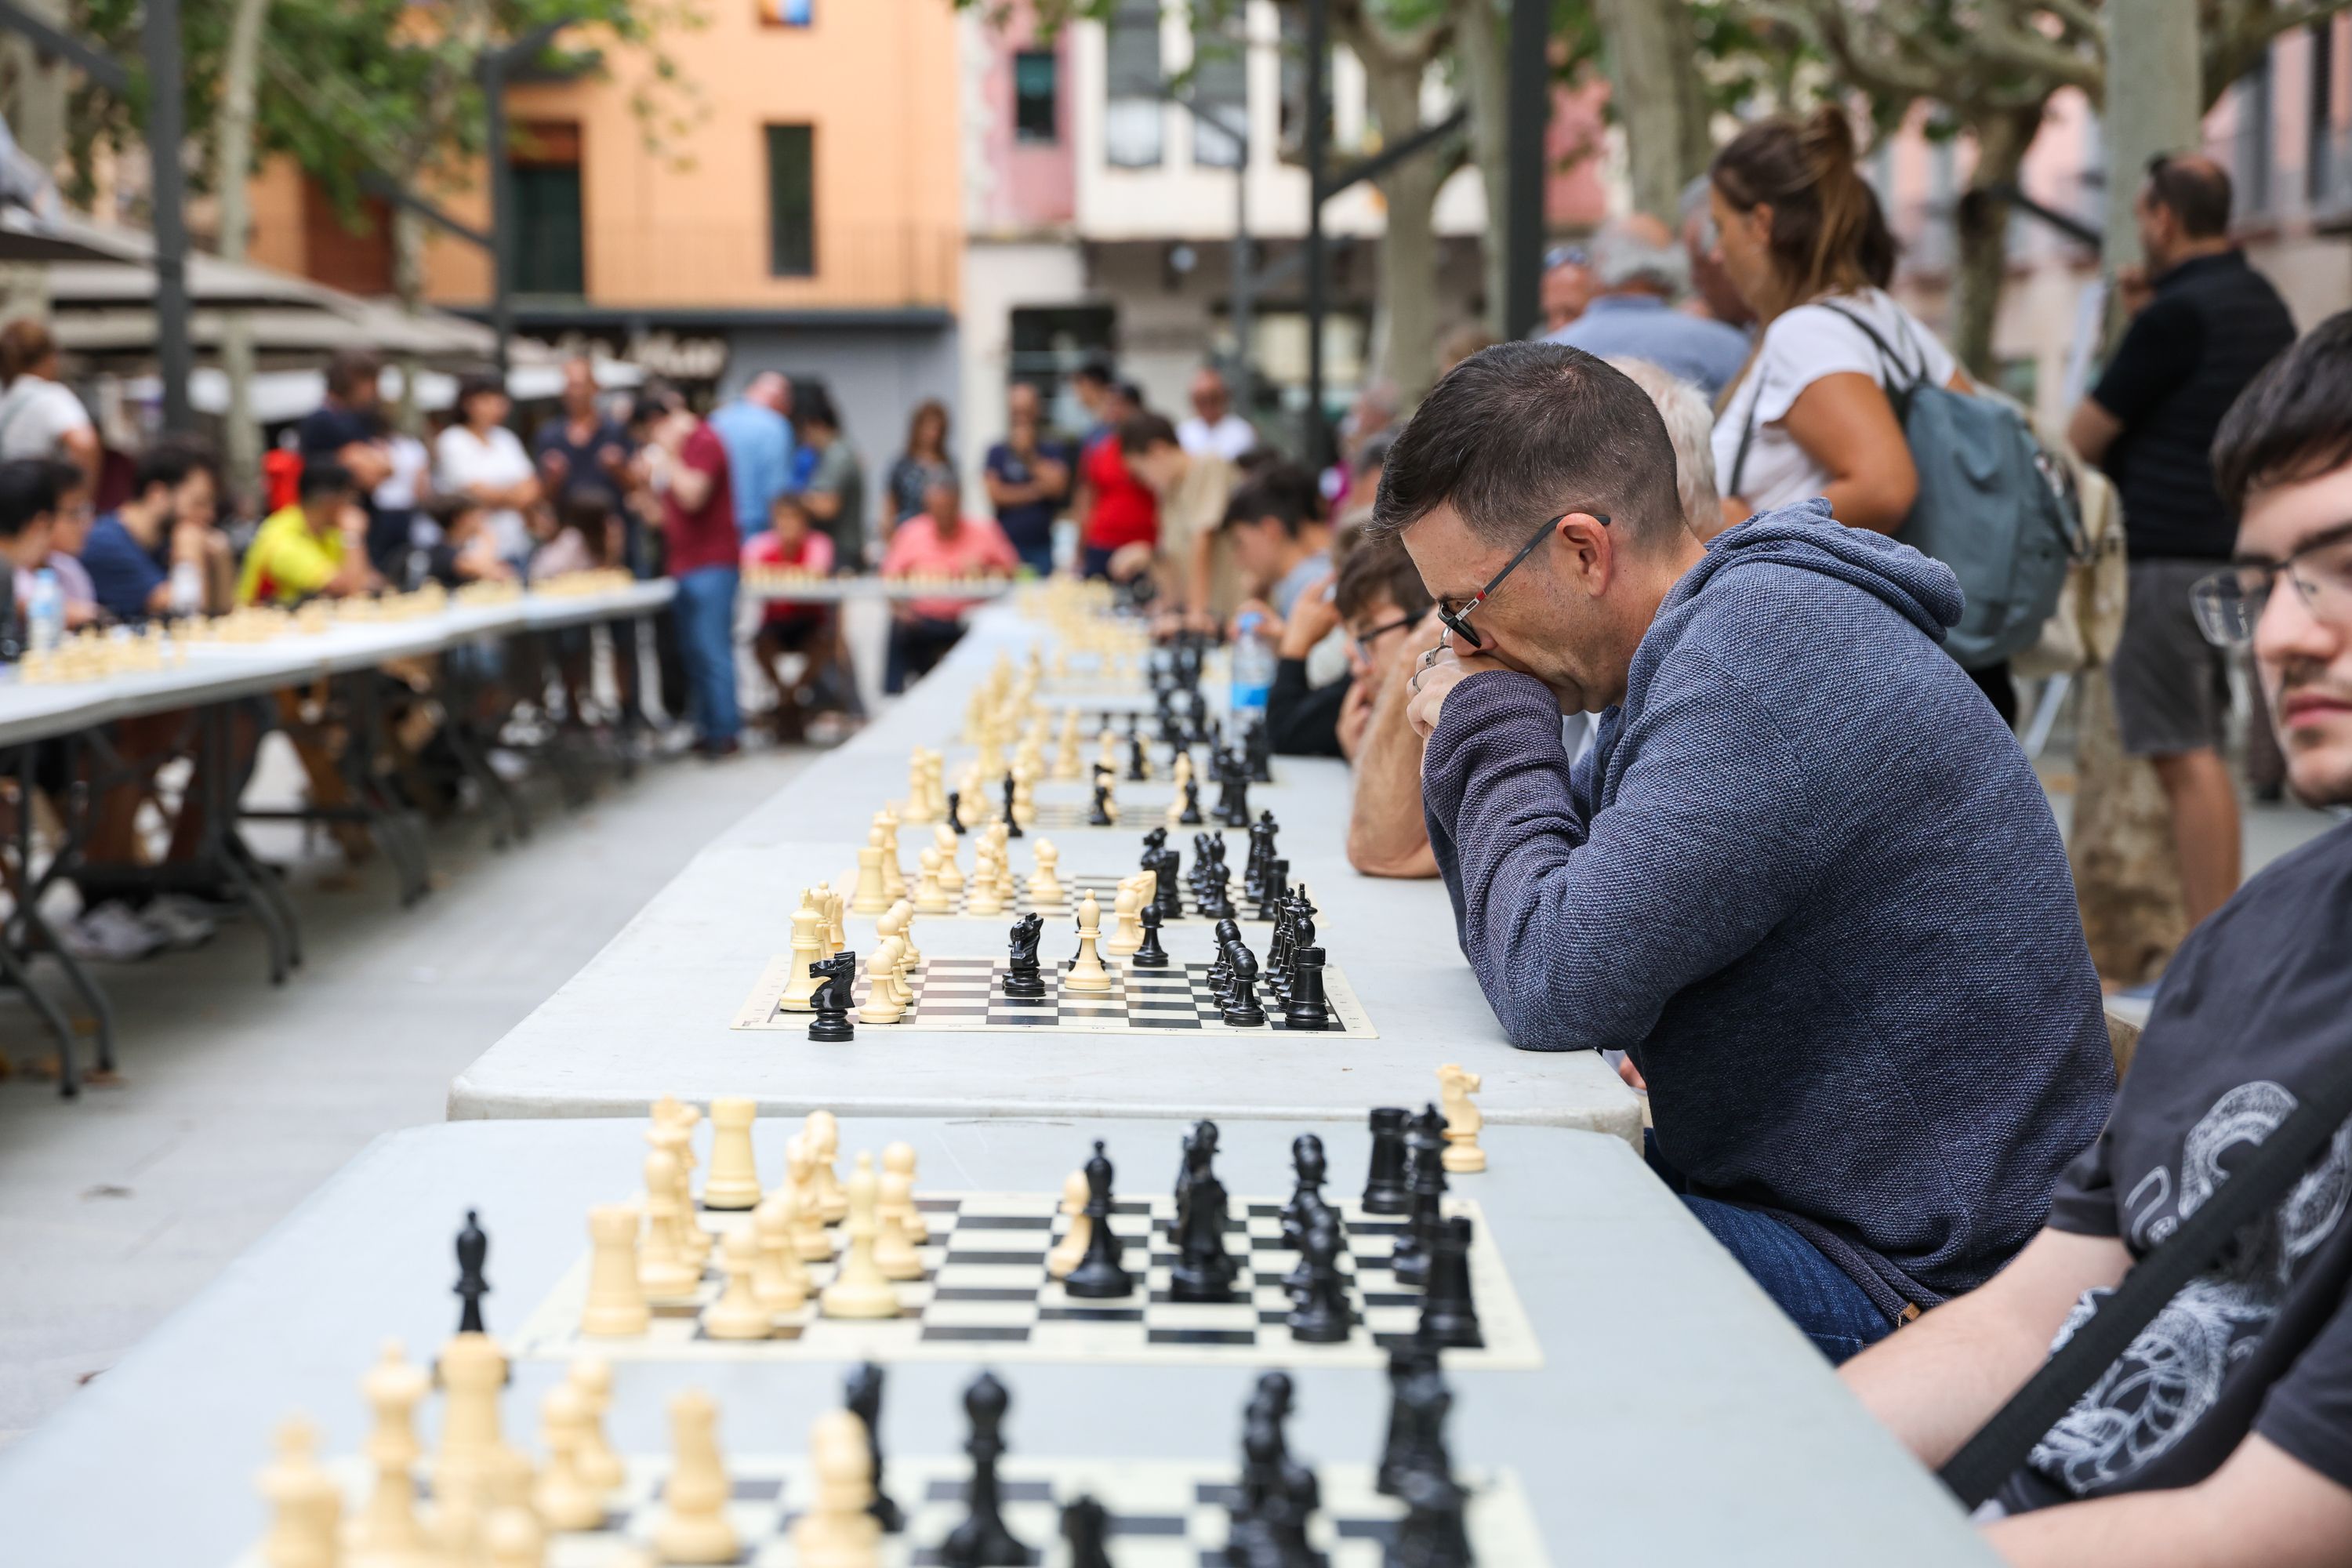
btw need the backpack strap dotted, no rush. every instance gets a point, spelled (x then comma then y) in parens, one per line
(1889, 361)
(1747, 433)
(2262, 1179)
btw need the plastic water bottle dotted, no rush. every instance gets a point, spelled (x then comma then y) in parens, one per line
(44, 612)
(187, 588)
(1252, 670)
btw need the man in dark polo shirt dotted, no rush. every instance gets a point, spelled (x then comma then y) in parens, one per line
(2211, 323)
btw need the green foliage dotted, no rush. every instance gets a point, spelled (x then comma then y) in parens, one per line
(345, 85)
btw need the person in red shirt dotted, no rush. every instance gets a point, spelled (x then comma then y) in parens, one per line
(686, 467)
(938, 542)
(1120, 509)
(787, 627)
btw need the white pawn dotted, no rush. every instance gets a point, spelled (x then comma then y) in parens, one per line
(565, 1498)
(899, 1159)
(910, 959)
(616, 1297)
(943, 838)
(981, 897)
(387, 1528)
(1087, 972)
(839, 1530)
(1004, 883)
(860, 1289)
(739, 1314)
(513, 1539)
(809, 1238)
(823, 1133)
(894, 874)
(780, 1280)
(664, 1272)
(930, 897)
(694, 1528)
(873, 894)
(1069, 1251)
(894, 1248)
(882, 1003)
(306, 1510)
(592, 1376)
(1126, 928)
(734, 1180)
(1044, 886)
(808, 947)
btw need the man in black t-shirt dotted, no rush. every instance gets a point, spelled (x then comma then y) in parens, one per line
(2211, 322)
(348, 429)
(2223, 1435)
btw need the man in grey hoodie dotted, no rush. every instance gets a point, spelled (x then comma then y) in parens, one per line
(1804, 877)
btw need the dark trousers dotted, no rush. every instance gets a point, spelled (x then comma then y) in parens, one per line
(916, 646)
(2000, 689)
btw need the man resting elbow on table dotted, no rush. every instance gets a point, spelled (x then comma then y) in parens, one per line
(1804, 877)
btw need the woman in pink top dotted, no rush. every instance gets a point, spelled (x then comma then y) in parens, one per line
(938, 542)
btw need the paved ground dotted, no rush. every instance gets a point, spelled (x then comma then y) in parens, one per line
(240, 1099)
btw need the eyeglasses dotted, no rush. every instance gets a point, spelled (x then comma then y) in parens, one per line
(1364, 640)
(2230, 604)
(1458, 620)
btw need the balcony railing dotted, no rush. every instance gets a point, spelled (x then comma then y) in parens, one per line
(731, 263)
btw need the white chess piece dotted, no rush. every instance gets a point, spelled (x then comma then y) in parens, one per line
(306, 1510)
(694, 1527)
(930, 898)
(1045, 886)
(809, 1239)
(565, 1498)
(982, 897)
(860, 1289)
(894, 1247)
(808, 947)
(1463, 1121)
(1087, 973)
(873, 894)
(734, 1180)
(512, 1537)
(910, 958)
(473, 1374)
(592, 1376)
(894, 874)
(387, 1528)
(899, 1159)
(824, 1143)
(839, 1531)
(664, 1272)
(781, 1279)
(943, 838)
(1002, 834)
(1126, 928)
(1067, 1252)
(616, 1305)
(882, 1005)
(738, 1313)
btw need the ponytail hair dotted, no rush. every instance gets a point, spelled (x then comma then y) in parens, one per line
(1828, 234)
(24, 343)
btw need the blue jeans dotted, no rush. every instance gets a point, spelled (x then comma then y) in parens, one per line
(1818, 1296)
(704, 611)
(1037, 554)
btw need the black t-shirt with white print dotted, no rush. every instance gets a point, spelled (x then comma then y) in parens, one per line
(2257, 998)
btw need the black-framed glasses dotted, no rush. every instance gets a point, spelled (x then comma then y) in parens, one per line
(1363, 641)
(1457, 621)
(2230, 604)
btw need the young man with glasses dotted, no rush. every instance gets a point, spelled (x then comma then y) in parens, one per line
(1804, 877)
(1375, 597)
(2222, 1436)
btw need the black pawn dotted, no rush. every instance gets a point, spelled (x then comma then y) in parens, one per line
(1150, 955)
(1306, 1007)
(1244, 1011)
(1170, 891)
(1384, 1188)
(1100, 1276)
(1425, 1175)
(1190, 816)
(1408, 1361)
(1012, 822)
(1322, 1316)
(1138, 766)
(1086, 1526)
(981, 1540)
(473, 1251)
(1100, 815)
(955, 819)
(1449, 1317)
(863, 1397)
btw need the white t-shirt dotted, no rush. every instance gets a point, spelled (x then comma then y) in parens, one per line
(463, 460)
(1799, 348)
(1229, 437)
(36, 416)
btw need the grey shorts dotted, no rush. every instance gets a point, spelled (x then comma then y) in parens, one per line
(2172, 687)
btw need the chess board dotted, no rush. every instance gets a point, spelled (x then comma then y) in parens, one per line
(960, 994)
(985, 1292)
(1074, 889)
(1164, 1513)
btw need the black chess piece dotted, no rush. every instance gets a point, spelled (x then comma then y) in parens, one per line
(1215, 903)
(1407, 1362)
(1190, 816)
(1425, 1177)
(473, 1252)
(1384, 1188)
(1098, 815)
(1307, 1200)
(1449, 1316)
(955, 816)
(1086, 1526)
(1258, 745)
(1150, 955)
(831, 1025)
(1023, 978)
(1012, 822)
(1322, 1316)
(1244, 1012)
(1434, 1533)
(1153, 842)
(1169, 891)
(1254, 865)
(1233, 809)
(981, 1540)
(1203, 1271)
(1138, 765)
(863, 1397)
(1306, 1007)
(1098, 1276)
(1274, 894)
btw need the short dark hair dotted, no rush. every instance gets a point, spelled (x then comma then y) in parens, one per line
(350, 367)
(29, 486)
(2294, 420)
(1282, 492)
(586, 508)
(1522, 430)
(2194, 189)
(326, 478)
(1096, 371)
(1132, 392)
(169, 462)
(812, 405)
(1141, 432)
(449, 508)
(474, 385)
(1378, 568)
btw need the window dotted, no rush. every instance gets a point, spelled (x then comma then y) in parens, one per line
(791, 201)
(1037, 95)
(543, 165)
(1220, 98)
(787, 13)
(1133, 113)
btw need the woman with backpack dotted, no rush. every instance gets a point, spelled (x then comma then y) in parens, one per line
(1800, 235)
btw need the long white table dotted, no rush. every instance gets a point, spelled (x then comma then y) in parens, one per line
(1676, 1418)
(652, 1014)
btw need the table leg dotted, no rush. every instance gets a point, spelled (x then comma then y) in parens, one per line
(15, 961)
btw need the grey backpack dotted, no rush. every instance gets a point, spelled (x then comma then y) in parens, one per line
(1993, 506)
